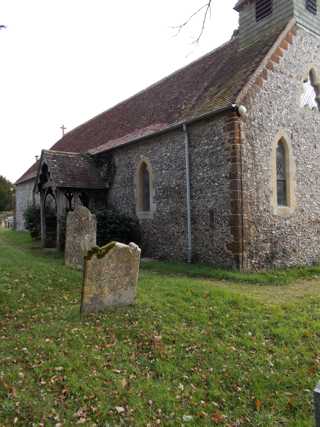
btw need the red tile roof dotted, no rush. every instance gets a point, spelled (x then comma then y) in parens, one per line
(210, 83)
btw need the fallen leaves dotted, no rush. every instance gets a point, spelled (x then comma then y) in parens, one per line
(124, 383)
(258, 404)
(158, 344)
(81, 414)
(8, 388)
(128, 366)
(217, 417)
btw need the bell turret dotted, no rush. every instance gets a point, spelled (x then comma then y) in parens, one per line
(258, 18)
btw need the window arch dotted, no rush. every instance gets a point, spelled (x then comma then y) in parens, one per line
(282, 185)
(144, 190)
(144, 183)
(311, 91)
(283, 176)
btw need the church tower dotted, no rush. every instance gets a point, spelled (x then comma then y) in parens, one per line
(258, 18)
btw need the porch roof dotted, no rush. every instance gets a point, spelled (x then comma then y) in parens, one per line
(71, 170)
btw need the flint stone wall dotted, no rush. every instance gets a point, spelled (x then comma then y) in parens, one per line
(110, 277)
(24, 199)
(81, 232)
(269, 240)
(274, 240)
(164, 233)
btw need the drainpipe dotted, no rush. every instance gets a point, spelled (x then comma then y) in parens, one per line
(187, 159)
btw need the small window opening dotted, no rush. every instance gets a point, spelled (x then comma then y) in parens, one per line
(311, 6)
(311, 90)
(282, 198)
(263, 9)
(144, 178)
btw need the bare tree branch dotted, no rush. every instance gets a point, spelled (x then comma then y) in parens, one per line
(207, 11)
(205, 17)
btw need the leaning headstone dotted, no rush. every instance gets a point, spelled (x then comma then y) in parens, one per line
(81, 235)
(317, 404)
(110, 277)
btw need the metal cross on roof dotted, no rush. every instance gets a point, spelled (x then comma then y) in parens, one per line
(63, 128)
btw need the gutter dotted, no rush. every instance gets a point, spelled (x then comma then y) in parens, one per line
(230, 108)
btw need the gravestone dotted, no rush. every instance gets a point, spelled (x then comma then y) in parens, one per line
(317, 404)
(110, 277)
(81, 232)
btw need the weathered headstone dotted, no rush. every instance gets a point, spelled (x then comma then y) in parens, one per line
(317, 404)
(110, 277)
(81, 235)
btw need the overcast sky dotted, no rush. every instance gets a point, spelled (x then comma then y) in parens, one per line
(65, 61)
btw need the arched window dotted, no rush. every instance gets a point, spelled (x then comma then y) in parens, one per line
(144, 188)
(311, 92)
(283, 176)
(282, 187)
(263, 9)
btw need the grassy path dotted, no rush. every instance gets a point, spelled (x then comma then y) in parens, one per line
(230, 354)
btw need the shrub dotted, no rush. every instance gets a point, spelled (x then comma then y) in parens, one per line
(6, 194)
(114, 226)
(32, 220)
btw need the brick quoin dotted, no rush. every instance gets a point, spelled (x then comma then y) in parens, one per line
(233, 143)
(275, 59)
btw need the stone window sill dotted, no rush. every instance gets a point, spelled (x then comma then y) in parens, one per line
(145, 215)
(283, 211)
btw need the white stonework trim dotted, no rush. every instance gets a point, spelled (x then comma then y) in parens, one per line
(311, 73)
(311, 70)
(290, 175)
(138, 190)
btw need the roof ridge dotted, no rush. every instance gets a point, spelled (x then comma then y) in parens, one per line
(61, 152)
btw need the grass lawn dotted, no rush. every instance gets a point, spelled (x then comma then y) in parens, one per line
(231, 352)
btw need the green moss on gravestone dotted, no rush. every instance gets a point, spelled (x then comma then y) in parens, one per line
(100, 252)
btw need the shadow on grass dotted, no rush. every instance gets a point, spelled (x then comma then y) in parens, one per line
(276, 277)
(272, 277)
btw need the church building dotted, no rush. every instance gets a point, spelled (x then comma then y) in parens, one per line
(220, 161)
